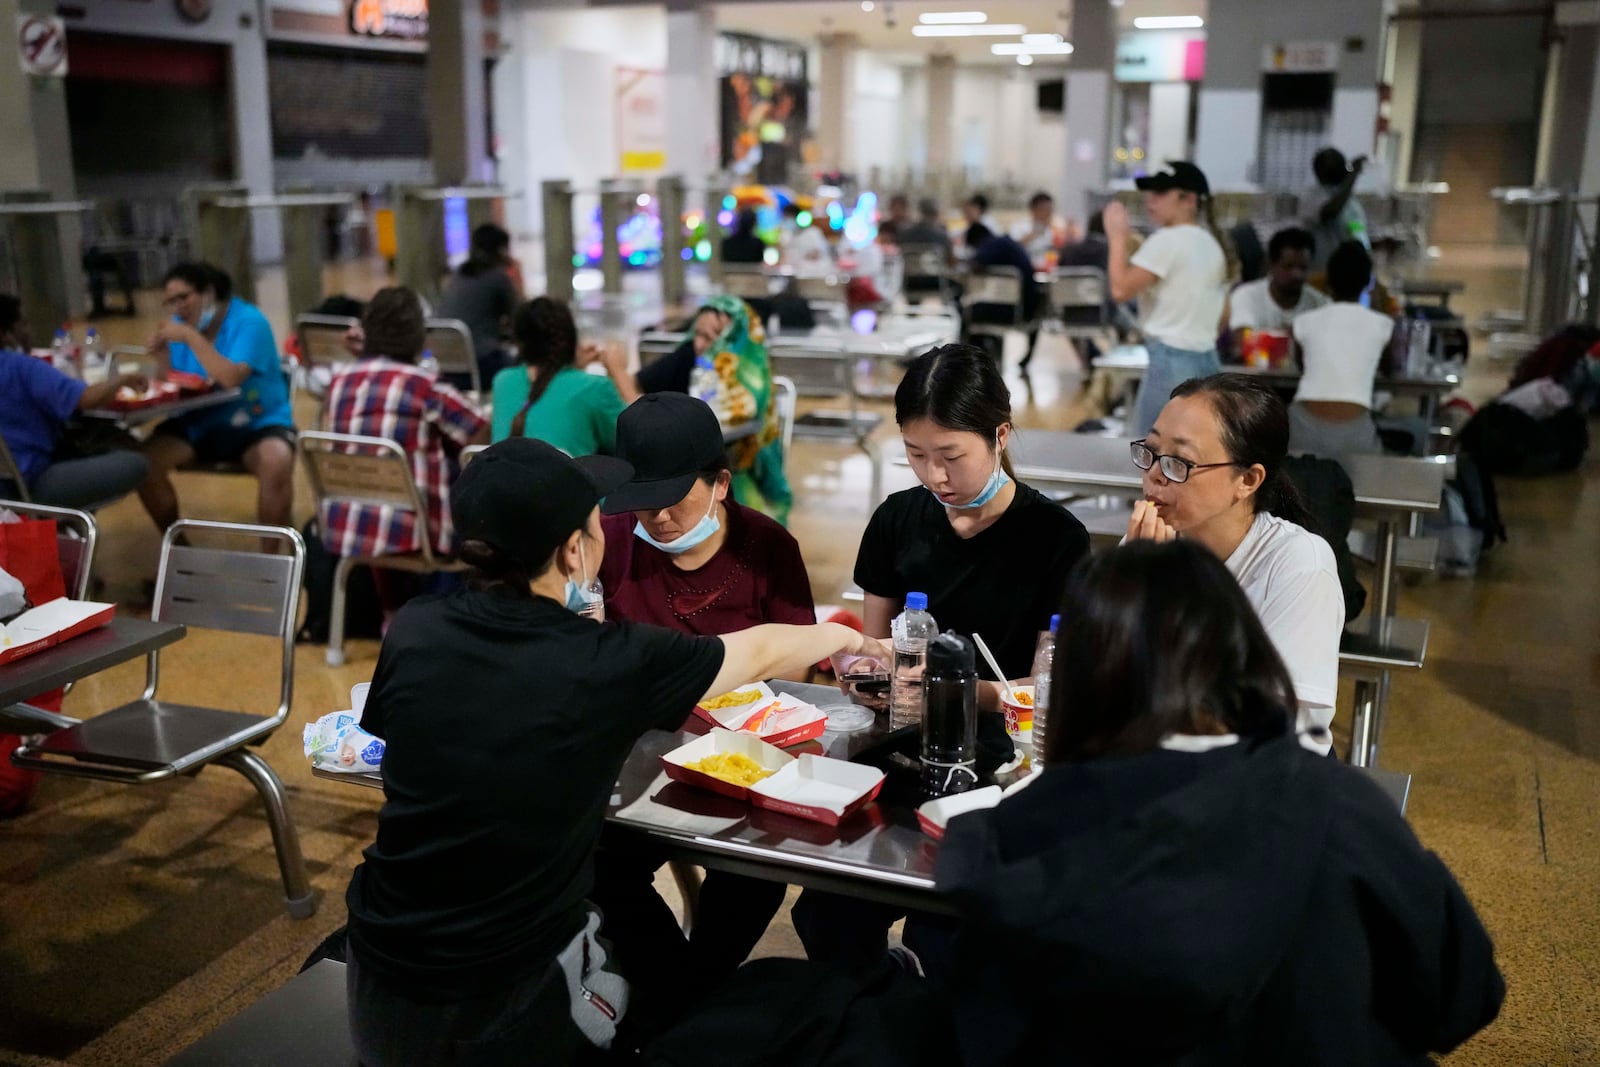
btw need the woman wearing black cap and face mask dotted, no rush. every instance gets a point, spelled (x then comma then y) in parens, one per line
(682, 554)
(507, 718)
(1182, 272)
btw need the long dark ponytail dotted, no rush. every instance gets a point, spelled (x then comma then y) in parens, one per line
(1255, 429)
(548, 338)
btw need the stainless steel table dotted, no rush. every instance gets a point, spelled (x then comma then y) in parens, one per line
(1127, 364)
(118, 641)
(141, 416)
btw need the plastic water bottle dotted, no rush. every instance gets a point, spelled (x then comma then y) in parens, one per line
(1044, 661)
(950, 727)
(595, 595)
(912, 629)
(61, 352)
(94, 359)
(427, 363)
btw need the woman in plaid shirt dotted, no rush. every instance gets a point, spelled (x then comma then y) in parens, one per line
(385, 394)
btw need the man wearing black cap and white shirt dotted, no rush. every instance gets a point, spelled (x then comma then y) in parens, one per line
(507, 717)
(682, 554)
(1180, 274)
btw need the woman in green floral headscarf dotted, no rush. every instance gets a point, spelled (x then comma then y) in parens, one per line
(734, 376)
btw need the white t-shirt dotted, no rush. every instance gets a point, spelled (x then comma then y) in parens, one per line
(1251, 307)
(1183, 308)
(1341, 346)
(807, 251)
(1289, 576)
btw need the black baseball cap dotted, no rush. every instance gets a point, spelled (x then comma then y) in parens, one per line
(1179, 174)
(525, 496)
(668, 438)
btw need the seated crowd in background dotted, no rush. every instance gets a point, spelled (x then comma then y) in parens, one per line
(482, 294)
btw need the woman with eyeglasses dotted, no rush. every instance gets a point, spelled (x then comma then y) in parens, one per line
(1214, 474)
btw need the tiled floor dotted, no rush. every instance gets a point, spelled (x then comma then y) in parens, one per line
(132, 920)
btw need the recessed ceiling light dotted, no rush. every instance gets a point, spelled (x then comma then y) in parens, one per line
(993, 29)
(1169, 22)
(953, 18)
(1024, 60)
(867, 5)
(1060, 48)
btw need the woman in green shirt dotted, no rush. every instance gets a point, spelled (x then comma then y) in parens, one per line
(548, 395)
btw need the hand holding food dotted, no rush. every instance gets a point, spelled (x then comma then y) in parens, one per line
(1146, 524)
(171, 330)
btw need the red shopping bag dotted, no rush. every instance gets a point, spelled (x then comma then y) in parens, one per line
(28, 553)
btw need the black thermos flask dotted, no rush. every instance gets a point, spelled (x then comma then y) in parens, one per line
(950, 723)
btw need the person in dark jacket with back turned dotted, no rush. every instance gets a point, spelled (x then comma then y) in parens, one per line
(1185, 884)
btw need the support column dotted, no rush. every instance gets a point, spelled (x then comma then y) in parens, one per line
(941, 120)
(456, 101)
(836, 89)
(252, 139)
(1088, 105)
(693, 108)
(1569, 127)
(1405, 82)
(38, 156)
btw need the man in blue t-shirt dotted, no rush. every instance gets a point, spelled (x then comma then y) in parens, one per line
(216, 335)
(36, 400)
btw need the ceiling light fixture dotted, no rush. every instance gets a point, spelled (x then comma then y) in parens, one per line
(1060, 48)
(993, 29)
(952, 18)
(1024, 60)
(867, 5)
(1169, 22)
(1041, 38)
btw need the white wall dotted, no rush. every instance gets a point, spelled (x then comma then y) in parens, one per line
(556, 98)
(875, 115)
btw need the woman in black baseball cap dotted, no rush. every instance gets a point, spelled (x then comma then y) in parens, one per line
(507, 717)
(1182, 272)
(681, 553)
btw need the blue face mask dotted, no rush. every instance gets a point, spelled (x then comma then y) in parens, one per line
(991, 489)
(588, 598)
(703, 531)
(207, 314)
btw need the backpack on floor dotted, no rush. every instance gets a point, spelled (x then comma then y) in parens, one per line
(1504, 439)
(1329, 496)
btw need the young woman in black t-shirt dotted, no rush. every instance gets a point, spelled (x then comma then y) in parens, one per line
(991, 553)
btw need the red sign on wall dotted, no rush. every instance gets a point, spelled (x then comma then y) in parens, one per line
(389, 18)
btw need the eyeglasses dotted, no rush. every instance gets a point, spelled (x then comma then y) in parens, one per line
(1173, 468)
(172, 303)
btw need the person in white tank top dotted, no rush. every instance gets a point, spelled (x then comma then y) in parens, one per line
(1213, 473)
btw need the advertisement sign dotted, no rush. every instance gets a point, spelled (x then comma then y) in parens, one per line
(1301, 57)
(764, 93)
(389, 18)
(641, 120)
(1155, 56)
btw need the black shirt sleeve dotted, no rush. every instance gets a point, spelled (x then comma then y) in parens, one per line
(674, 671)
(876, 572)
(1072, 545)
(669, 374)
